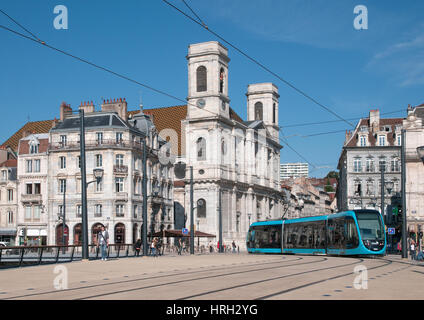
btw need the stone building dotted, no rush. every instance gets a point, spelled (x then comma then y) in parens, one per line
(113, 141)
(235, 158)
(414, 183)
(32, 191)
(374, 145)
(8, 197)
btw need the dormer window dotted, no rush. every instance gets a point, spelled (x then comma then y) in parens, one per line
(381, 140)
(363, 141)
(33, 145)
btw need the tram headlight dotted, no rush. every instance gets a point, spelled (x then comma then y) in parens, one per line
(367, 243)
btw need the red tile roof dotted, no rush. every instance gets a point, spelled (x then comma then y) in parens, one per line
(11, 163)
(353, 142)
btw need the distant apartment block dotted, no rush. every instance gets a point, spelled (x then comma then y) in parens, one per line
(294, 170)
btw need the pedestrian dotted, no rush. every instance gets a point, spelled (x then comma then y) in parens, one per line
(399, 247)
(234, 246)
(180, 246)
(137, 247)
(103, 242)
(210, 247)
(412, 250)
(420, 255)
(154, 247)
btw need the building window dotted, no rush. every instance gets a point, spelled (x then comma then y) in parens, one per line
(135, 211)
(399, 139)
(119, 137)
(9, 195)
(62, 162)
(363, 141)
(33, 148)
(10, 217)
(358, 188)
(370, 165)
(79, 162)
(4, 175)
(99, 160)
(37, 188)
(99, 186)
(28, 213)
(62, 185)
(381, 140)
(274, 113)
(201, 77)
(357, 165)
(37, 165)
(201, 208)
(395, 165)
(370, 187)
(99, 137)
(382, 165)
(79, 211)
(119, 160)
(258, 111)
(98, 210)
(119, 210)
(221, 80)
(201, 149)
(63, 140)
(29, 166)
(29, 188)
(119, 184)
(37, 212)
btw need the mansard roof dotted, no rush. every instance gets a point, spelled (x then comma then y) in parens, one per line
(97, 120)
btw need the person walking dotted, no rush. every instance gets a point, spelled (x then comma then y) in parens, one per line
(103, 242)
(412, 250)
(137, 247)
(180, 246)
(234, 246)
(153, 247)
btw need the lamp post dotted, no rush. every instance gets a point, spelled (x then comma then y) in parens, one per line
(98, 174)
(403, 186)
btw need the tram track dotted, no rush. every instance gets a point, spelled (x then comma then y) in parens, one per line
(266, 280)
(200, 278)
(317, 282)
(191, 272)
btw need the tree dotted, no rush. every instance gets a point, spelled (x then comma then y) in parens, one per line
(332, 174)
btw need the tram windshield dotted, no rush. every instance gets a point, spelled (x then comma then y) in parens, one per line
(370, 225)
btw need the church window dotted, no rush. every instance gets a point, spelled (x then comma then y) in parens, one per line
(258, 111)
(201, 79)
(201, 149)
(221, 80)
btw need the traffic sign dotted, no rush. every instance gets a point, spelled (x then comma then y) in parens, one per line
(391, 231)
(185, 231)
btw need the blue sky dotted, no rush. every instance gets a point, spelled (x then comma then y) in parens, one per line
(312, 44)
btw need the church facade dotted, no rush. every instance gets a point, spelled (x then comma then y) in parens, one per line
(235, 163)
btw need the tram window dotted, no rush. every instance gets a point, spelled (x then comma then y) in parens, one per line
(352, 239)
(268, 236)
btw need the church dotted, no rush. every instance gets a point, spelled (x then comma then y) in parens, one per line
(235, 162)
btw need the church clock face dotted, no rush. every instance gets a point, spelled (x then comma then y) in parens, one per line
(223, 105)
(201, 103)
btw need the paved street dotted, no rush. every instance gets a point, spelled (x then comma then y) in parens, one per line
(214, 276)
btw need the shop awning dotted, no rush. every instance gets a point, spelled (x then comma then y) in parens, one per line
(179, 233)
(7, 232)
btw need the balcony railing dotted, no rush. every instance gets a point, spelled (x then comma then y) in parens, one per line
(110, 143)
(31, 197)
(120, 169)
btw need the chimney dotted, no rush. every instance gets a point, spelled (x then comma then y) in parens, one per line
(116, 105)
(25, 133)
(55, 122)
(375, 120)
(65, 111)
(87, 106)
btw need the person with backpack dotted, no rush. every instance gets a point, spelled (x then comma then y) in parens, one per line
(412, 248)
(103, 242)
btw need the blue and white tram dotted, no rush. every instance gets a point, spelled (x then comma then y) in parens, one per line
(350, 233)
